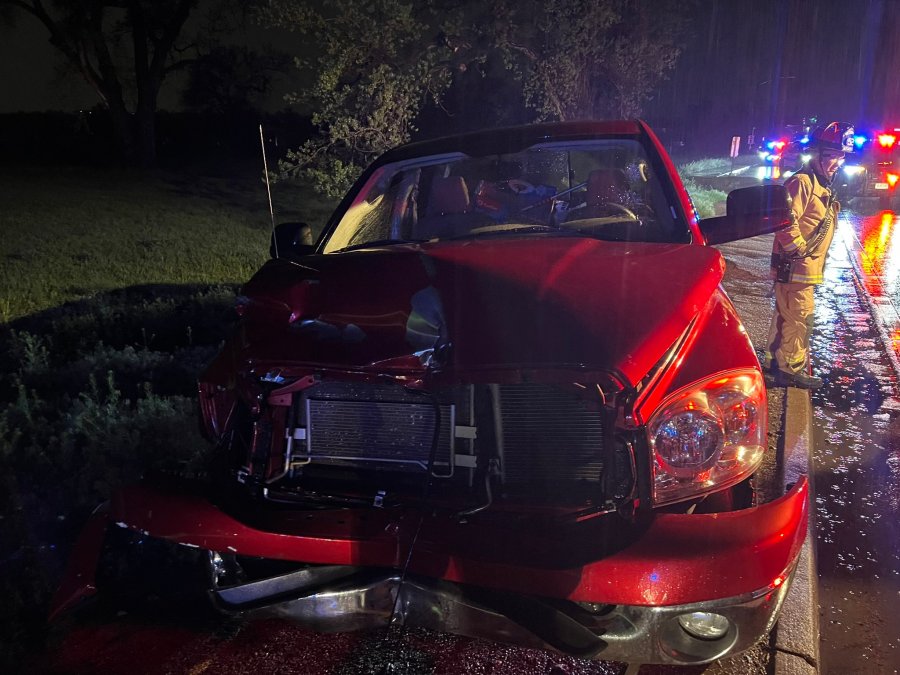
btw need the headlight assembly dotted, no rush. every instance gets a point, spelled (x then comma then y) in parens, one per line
(708, 436)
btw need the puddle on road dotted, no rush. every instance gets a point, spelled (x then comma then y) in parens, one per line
(856, 468)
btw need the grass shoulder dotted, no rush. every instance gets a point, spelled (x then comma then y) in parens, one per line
(116, 289)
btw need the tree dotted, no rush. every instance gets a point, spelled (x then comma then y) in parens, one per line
(372, 66)
(124, 49)
(231, 78)
(579, 59)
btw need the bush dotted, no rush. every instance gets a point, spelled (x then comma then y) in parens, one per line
(89, 403)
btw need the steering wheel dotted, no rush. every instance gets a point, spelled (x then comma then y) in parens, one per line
(623, 209)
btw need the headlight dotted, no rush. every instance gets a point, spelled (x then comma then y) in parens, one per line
(707, 436)
(853, 169)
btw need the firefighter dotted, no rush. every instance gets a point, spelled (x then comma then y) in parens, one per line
(798, 256)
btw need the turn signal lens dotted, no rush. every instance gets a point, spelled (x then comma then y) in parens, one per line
(708, 436)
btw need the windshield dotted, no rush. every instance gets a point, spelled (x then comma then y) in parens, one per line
(600, 188)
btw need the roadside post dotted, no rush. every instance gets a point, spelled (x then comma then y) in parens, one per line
(735, 150)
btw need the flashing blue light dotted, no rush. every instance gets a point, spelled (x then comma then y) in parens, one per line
(859, 140)
(770, 145)
(654, 576)
(804, 140)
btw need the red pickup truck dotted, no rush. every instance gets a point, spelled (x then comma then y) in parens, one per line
(504, 395)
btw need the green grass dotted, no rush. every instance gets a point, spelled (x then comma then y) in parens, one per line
(708, 202)
(708, 166)
(70, 233)
(116, 289)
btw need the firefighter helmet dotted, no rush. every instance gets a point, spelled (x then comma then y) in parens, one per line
(837, 136)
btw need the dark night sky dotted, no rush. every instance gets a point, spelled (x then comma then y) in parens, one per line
(751, 63)
(765, 63)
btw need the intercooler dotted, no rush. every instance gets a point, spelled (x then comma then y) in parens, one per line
(540, 434)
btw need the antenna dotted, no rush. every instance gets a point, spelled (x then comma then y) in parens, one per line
(262, 144)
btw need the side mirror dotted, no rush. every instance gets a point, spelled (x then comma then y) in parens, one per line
(291, 239)
(749, 212)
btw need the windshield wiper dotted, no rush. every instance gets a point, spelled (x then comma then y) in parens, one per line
(378, 242)
(517, 230)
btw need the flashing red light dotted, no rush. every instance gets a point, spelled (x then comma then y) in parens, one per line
(780, 144)
(892, 179)
(887, 140)
(778, 581)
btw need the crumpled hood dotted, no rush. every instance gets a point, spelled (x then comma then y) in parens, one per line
(527, 303)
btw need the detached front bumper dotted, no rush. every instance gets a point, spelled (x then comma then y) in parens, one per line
(624, 606)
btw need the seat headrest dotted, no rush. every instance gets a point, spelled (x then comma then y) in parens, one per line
(449, 195)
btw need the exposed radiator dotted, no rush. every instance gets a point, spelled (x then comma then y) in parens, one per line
(549, 434)
(381, 425)
(545, 434)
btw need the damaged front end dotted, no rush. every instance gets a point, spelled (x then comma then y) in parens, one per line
(345, 441)
(347, 502)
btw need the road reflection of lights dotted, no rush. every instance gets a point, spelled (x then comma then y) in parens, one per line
(880, 261)
(875, 233)
(768, 172)
(891, 265)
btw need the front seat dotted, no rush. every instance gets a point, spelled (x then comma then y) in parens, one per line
(447, 209)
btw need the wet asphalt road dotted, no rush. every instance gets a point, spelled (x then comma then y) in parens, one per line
(856, 462)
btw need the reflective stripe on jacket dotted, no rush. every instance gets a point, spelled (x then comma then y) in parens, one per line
(809, 200)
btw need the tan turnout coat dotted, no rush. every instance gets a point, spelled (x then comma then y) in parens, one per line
(809, 203)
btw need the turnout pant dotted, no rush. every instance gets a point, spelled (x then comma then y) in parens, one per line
(791, 325)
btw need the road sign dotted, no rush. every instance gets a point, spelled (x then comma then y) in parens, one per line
(735, 146)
